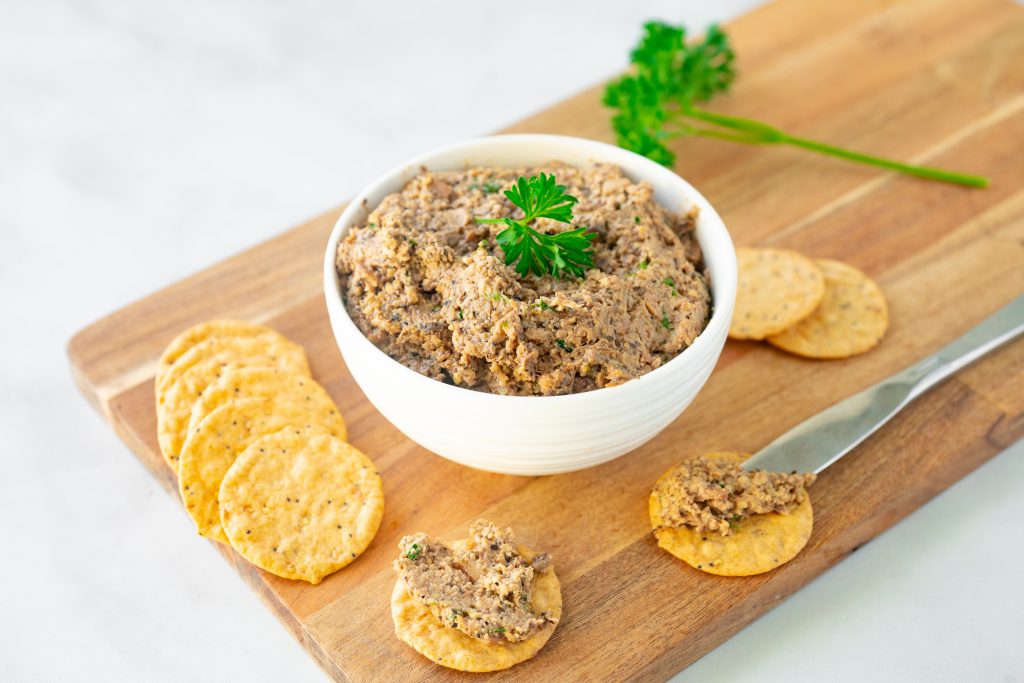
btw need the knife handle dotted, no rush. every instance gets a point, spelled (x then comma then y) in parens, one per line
(997, 329)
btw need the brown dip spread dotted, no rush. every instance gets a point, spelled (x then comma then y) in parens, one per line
(712, 495)
(482, 589)
(430, 287)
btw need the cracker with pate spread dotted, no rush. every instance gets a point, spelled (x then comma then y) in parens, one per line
(479, 604)
(722, 520)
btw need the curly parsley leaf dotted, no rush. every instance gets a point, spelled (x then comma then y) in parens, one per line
(689, 73)
(540, 197)
(537, 252)
(668, 74)
(657, 102)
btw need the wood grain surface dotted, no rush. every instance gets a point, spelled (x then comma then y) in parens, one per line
(936, 81)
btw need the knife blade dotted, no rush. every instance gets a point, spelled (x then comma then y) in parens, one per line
(818, 442)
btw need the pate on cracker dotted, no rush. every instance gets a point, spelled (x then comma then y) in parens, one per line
(852, 317)
(775, 289)
(301, 503)
(479, 604)
(725, 521)
(223, 435)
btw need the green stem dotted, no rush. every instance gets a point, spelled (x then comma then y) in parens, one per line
(929, 172)
(761, 133)
(762, 130)
(712, 133)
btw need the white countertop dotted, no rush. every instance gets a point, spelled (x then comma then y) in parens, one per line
(141, 141)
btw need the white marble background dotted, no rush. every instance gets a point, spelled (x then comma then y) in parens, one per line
(140, 141)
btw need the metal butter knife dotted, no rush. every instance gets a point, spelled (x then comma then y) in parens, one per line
(818, 442)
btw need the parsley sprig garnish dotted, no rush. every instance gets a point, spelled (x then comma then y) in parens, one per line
(536, 252)
(658, 103)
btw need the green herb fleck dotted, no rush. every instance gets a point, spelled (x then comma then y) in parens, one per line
(636, 219)
(640, 266)
(542, 305)
(491, 187)
(500, 629)
(565, 347)
(665, 322)
(496, 296)
(414, 551)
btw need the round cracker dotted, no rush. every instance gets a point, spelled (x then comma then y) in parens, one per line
(776, 288)
(174, 407)
(203, 331)
(271, 349)
(851, 319)
(212, 448)
(198, 367)
(301, 504)
(416, 626)
(284, 386)
(759, 544)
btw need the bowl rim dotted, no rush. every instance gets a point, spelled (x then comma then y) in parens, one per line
(601, 151)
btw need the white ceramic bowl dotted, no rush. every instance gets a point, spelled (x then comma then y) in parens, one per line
(536, 435)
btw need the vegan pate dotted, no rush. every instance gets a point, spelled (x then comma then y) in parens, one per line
(712, 495)
(429, 285)
(482, 589)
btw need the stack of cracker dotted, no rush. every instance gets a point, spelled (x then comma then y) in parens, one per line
(816, 308)
(260, 451)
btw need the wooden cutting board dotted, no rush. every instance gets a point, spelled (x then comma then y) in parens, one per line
(937, 81)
